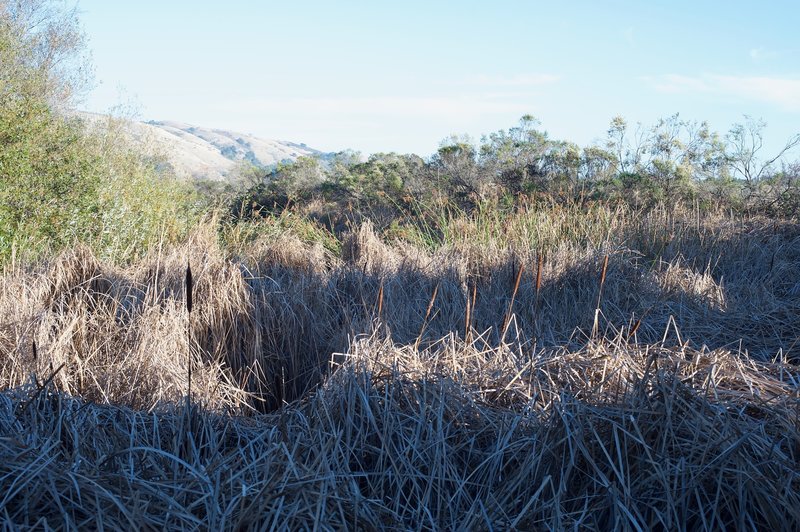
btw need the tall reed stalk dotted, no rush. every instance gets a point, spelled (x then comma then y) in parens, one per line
(509, 312)
(189, 304)
(596, 326)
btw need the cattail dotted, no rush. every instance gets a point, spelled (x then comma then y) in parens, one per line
(603, 278)
(514, 269)
(507, 319)
(474, 294)
(35, 353)
(595, 327)
(189, 284)
(539, 267)
(427, 313)
(430, 304)
(380, 299)
(634, 328)
(468, 315)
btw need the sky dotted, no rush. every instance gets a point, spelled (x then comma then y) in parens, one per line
(384, 76)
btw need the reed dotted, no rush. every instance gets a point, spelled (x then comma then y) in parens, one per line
(380, 300)
(427, 315)
(603, 272)
(538, 290)
(450, 437)
(510, 310)
(468, 311)
(189, 288)
(303, 413)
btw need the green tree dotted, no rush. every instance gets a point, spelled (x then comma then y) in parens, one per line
(668, 160)
(455, 167)
(517, 158)
(60, 182)
(42, 53)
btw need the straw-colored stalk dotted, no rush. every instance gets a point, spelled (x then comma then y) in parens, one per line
(509, 312)
(427, 315)
(596, 326)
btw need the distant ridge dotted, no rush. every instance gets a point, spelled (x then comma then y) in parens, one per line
(205, 153)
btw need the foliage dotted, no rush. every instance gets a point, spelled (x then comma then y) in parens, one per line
(675, 162)
(62, 181)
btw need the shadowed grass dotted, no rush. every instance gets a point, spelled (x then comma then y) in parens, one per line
(333, 384)
(454, 437)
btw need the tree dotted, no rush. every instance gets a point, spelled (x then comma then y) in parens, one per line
(667, 160)
(455, 163)
(745, 143)
(597, 165)
(59, 181)
(562, 166)
(43, 53)
(628, 152)
(517, 157)
(43, 172)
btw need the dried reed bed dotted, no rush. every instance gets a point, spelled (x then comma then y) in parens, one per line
(453, 437)
(636, 377)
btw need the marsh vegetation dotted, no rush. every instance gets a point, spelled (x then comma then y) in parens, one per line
(516, 334)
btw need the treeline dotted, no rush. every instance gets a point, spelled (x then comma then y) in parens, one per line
(63, 180)
(675, 162)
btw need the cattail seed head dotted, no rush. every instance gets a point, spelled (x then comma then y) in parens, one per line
(189, 284)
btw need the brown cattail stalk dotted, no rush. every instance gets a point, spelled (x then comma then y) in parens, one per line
(595, 327)
(380, 300)
(634, 328)
(474, 295)
(468, 314)
(427, 315)
(507, 319)
(539, 267)
(189, 304)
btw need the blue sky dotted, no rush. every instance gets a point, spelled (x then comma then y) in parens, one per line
(401, 76)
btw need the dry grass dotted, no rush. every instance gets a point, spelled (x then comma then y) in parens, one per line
(338, 391)
(608, 437)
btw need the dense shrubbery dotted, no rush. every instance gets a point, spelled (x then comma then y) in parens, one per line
(64, 182)
(61, 181)
(675, 161)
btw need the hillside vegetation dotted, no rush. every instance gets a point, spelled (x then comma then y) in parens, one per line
(522, 334)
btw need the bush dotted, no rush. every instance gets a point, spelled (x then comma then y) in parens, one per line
(60, 181)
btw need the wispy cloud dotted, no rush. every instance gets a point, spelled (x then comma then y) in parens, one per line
(404, 106)
(761, 54)
(522, 80)
(675, 83)
(783, 92)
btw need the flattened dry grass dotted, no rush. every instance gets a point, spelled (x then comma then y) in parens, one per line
(390, 386)
(454, 437)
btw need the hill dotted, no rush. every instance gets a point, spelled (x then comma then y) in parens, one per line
(207, 153)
